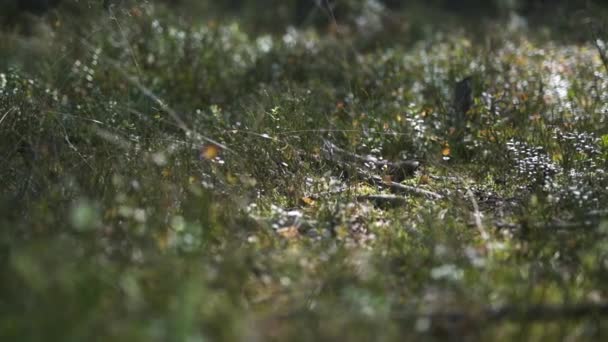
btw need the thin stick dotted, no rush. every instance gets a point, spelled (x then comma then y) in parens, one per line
(148, 93)
(602, 53)
(477, 215)
(398, 187)
(600, 49)
(6, 114)
(331, 148)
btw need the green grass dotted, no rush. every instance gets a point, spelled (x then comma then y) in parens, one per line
(166, 176)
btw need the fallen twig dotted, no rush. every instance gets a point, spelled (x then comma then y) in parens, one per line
(401, 188)
(331, 149)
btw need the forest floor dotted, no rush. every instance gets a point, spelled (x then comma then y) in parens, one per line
(172, 178)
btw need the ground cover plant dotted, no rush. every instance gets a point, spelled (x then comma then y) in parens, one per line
(191, 171)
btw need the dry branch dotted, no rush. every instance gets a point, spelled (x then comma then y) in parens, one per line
(339, 156)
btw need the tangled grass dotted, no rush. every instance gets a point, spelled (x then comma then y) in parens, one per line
(166, 178)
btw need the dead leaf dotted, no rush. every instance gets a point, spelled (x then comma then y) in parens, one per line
(307, 200)
(209, 151)
(446, 152)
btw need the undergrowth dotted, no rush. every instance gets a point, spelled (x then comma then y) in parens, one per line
(168, 176)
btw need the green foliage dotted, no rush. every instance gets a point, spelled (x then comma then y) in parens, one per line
(166, 175)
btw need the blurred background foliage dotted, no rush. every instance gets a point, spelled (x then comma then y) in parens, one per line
(164, 174)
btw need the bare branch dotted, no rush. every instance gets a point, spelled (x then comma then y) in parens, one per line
(477, 215)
